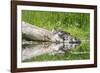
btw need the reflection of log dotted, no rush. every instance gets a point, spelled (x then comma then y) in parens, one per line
(40, 48)
(35, 33)
(34, 50)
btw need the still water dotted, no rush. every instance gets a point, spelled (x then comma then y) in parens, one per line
(33, 48)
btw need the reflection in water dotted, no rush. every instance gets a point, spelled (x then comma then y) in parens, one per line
(40, 48)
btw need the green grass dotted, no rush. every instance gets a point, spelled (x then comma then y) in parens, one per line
(77, 24)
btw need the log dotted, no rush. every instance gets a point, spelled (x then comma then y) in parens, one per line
(33, 32)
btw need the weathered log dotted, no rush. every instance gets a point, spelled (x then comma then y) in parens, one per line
(35, 33)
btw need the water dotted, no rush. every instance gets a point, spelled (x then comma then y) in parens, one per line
(32, 49)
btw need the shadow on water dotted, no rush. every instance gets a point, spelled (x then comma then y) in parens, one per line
(39, 48)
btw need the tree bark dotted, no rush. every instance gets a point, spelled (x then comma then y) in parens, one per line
(33, 32)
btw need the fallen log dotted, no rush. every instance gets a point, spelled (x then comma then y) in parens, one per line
(33, 32)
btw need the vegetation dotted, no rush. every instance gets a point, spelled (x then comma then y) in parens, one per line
(75, 23)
